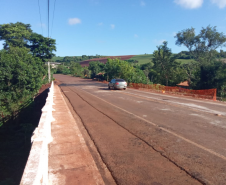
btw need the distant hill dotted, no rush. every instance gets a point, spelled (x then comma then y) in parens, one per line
(104, 60)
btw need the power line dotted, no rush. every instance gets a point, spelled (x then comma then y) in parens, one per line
(53, 17)
(48, 18)
(40, 16)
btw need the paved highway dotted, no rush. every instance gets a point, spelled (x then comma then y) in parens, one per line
(149, 138)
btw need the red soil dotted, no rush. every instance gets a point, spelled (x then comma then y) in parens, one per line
(104, 60)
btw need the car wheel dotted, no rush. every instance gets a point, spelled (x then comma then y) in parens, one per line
(124, 88)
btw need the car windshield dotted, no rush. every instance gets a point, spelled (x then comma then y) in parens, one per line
(120, 80)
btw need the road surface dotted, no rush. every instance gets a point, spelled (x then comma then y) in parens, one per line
(151, 138)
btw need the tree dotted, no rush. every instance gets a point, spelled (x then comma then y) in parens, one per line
(42, 47)
(21, 35)
(207, 72)
(95, 68)
(76, 69)
(21, 77)
(202, 46)
(15, 35)
(164, 62)
(146, 69)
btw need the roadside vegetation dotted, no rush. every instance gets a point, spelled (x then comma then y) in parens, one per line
(202, 65)
(22, 67)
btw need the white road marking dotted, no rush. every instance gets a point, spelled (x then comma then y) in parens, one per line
(190, 105)
(166, 130)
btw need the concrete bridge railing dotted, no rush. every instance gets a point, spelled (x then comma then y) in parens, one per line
(36, 170)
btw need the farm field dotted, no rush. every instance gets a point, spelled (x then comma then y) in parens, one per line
(104, 60)
(142, 59)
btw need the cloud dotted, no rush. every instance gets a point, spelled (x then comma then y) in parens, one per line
(100, 24)
(142, 3)
(112, 26)
(159, 42)
(220, 3)
(189, 4)
(135, 35)
(73, 21)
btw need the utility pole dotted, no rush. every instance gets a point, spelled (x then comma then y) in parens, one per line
(49, 74)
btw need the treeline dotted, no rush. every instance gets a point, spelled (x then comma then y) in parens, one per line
(187, 55)
(68, 59)
(22, 66)
(206, 70)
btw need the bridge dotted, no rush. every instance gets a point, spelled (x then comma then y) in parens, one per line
(91, 135)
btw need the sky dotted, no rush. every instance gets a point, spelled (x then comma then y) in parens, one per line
(114, 27)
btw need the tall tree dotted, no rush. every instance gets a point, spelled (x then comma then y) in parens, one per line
(42, 47)
(20, 35)
(202, 46)
(206, 72)
(164, 62)
(15, 34)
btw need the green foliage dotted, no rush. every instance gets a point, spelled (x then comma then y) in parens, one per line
(76, 69)
(116, 68)
(42, 47)
(165, 65)
(207, 72)
(61, 69)
(202, 47)
(21, 76)
(20, 35)
(15, 35)
(95, 68)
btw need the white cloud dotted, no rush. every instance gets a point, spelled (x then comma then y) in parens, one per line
(100, 24)
(142, 3)
(220, 3)
(189, 4)
(73, 21)
(159, 42)
(135, 35)
(112, 26)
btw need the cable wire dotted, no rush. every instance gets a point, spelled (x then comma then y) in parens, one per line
(48, 18)
(40, 16)
(53, 17)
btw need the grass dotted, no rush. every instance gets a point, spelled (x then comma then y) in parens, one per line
(142, 59)
(57, 58)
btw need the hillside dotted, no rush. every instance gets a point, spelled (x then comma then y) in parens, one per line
(104, 60)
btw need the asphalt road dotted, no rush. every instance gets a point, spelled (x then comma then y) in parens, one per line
(150, 138)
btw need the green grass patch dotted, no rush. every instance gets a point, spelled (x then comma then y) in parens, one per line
(142, 59)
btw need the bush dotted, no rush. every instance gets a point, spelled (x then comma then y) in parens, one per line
(21, 76)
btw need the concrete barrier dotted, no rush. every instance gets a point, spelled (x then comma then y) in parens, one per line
(36, 170)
